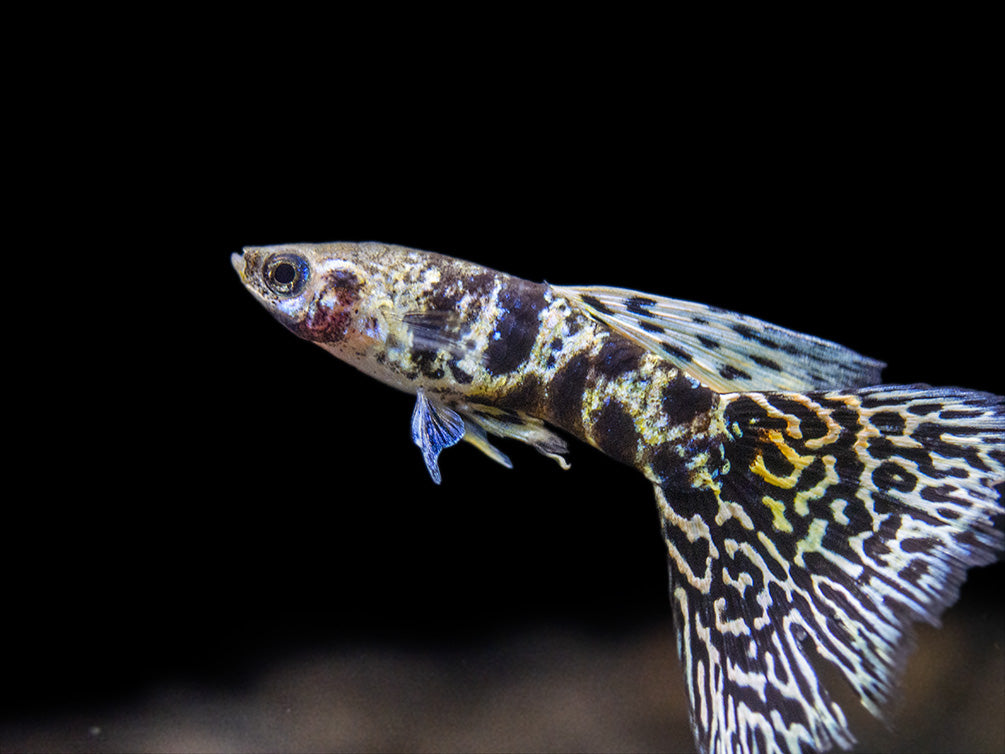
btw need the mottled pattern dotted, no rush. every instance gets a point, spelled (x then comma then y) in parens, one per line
(842, 519)
(809, 519)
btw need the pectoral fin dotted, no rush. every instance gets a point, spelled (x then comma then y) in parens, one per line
(434, 427)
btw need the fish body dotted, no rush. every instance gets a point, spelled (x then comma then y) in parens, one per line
(810, 514)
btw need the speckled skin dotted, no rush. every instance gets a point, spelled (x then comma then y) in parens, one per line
(474, 336)
(802, 527)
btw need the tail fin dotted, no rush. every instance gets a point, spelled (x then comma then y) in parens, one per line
(838, 519)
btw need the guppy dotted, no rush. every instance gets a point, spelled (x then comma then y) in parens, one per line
(810, 514)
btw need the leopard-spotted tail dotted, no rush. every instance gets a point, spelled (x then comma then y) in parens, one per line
(829, 523)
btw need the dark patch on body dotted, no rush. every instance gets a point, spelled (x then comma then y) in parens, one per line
(425, 360)
(565, 394)
(525, 396)
(670, 467)
(683, 401)
(670, 462)
(574, 323)
(556, 347)
(614, 432)
(460, 376)
(617, 356)
(452, 288)
(516, 330)
(438, 323)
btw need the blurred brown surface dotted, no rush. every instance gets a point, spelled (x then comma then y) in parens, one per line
(541, 690)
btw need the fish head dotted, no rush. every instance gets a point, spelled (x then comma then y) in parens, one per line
(371, 305)
(320, 292)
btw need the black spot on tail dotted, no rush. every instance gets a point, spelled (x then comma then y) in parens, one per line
(889, 422)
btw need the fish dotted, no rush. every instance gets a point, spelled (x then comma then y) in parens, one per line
(811, 514)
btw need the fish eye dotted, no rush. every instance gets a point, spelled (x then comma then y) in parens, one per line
(286, 274)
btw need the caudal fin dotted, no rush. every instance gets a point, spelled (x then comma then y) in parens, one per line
(839, 519)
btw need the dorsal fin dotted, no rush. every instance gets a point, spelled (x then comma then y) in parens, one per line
(725, 351)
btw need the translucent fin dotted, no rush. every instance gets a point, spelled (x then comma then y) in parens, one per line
(835, 521)
(434, 427)
(438, 330)
(517, 425)
(475, 435)
(726, 351)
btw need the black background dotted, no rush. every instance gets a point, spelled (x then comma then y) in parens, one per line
(201, 490)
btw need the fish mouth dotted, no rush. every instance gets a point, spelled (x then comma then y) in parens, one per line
(238, 263)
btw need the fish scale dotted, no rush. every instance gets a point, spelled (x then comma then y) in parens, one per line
(810, 514)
